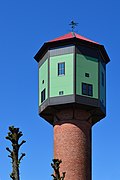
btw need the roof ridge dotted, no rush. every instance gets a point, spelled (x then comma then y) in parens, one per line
(73, 35)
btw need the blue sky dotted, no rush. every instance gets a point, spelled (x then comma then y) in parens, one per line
(24, 27)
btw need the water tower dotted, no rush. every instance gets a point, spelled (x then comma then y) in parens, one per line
(72, 97)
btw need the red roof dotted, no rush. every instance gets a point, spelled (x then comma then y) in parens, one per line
(67, 39)
(72, 35)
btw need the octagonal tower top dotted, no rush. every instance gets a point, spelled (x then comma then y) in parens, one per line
(72, 74)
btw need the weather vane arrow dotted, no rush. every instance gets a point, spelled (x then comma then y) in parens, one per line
(73, 24)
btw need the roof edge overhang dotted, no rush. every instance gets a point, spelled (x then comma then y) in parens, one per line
(71, 41)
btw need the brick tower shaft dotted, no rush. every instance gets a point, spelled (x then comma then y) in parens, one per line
(72, 143)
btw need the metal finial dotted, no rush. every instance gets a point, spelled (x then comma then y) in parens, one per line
(73, 25)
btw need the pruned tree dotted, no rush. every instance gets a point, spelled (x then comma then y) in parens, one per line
(56, 166)
(14, 135)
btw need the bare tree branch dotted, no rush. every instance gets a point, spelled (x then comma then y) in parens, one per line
(22, 143)
(7, 148)
(21, 157)
(56, 166)
(14, 135)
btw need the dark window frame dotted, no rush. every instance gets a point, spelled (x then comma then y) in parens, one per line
(43, 95)
(103, 81)
(87, 89)
(61, 68)
(61, 93)
(87, 75)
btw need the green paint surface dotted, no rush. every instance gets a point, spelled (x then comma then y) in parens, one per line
(102, 88)
(43, 76)
(85, 64)
(61, 83)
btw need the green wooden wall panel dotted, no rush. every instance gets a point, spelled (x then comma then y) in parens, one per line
(61, 83)
(43, 76)
(85, 64)
(102, 87)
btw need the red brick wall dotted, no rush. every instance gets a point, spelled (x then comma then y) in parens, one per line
(72, 143)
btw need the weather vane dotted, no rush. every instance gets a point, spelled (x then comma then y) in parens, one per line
(73, 25)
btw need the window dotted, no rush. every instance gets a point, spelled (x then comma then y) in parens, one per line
(42, 81)
(87, 89)
(90, 90)
(102, 79)
(87, 75)
(61, 68)
(42, 95)
(61, 92)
